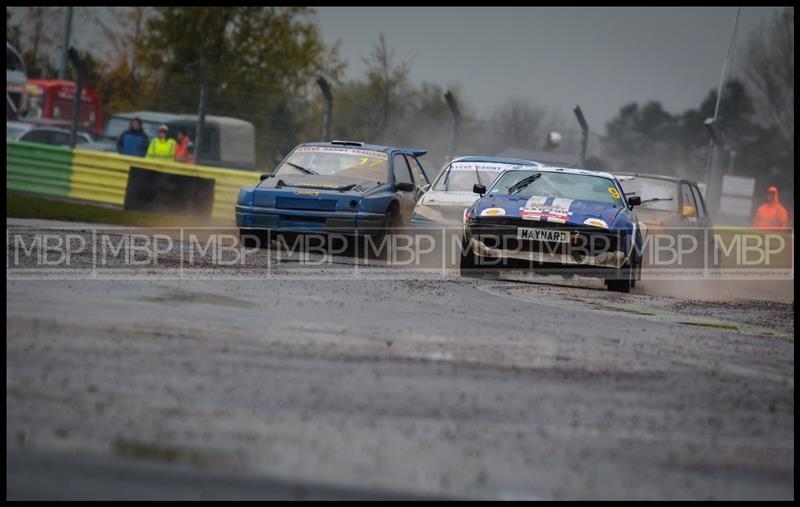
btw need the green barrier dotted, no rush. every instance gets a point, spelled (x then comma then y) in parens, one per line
(38, 168)
(95, 176)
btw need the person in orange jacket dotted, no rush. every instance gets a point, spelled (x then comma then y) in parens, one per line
(771, 214)
(183, 152)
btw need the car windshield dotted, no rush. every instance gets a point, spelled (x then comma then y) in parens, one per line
(461, 176)
(116, 126)
(656, 194)
(328, 160)
(557, 184)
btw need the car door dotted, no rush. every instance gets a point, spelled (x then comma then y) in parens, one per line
(420, 178)
(402, 173)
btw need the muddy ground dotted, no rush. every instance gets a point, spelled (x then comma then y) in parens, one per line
(377, 382)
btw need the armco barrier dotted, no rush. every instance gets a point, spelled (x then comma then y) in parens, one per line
(38, 168)
(103, 177)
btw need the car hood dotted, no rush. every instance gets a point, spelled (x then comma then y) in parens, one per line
(321, 183)
(550, 209)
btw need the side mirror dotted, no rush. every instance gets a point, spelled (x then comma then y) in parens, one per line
(688, 211)
(634, 200)
(264, 176)
(405, 186)
(426, 187)
(479, 189)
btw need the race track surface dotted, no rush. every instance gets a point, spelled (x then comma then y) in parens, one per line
(392, 384)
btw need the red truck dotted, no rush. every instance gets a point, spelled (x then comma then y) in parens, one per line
(51, 100)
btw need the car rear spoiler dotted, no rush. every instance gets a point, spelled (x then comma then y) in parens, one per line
(416, 152)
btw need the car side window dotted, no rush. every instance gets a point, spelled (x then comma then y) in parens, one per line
(36, 136)
(701, 210)
(60, 138)
(420, 178)
(402, 174)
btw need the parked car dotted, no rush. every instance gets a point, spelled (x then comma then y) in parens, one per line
(559, 220)
(32, 133)
(343, 187)
(228, 142)
(451, 193)
(672, 206)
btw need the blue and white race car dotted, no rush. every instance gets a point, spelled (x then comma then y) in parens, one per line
(567, 221)
(342, 187)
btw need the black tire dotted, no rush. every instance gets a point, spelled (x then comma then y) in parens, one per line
(624, 281)
(391, 221)
(249, 238)
(467, 265)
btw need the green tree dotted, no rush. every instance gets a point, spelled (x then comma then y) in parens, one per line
(261, 64)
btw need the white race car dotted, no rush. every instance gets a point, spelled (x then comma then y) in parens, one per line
(451, 193)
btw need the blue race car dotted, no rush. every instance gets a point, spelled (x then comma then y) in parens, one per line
(342, 187)
(567, 221)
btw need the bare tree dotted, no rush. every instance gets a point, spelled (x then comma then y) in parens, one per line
(387, 77)
(518, 121)
(769, 68)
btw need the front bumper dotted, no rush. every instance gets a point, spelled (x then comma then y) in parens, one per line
(613, 259)
(304, 221)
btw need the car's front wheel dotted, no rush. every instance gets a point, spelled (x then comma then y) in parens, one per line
(249, 238)
(624, 280)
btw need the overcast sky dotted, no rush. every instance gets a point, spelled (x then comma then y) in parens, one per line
(600, 58)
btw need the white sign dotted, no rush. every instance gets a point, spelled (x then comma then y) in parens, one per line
(738, 186)
(735, 206)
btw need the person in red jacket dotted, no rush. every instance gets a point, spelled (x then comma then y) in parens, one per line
(184, 150)
(771, 214)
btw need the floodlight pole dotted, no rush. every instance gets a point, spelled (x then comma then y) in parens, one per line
(328, 111)
(585, 133)
(453, 105)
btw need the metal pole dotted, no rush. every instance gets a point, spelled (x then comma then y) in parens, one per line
(201, 112)
(722, 77)
(453, 105)
(76, 105)
(62, 71)
(585, 135)
(328, 111)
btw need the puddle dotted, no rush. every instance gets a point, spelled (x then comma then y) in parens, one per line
(185, 297)
(157, 452)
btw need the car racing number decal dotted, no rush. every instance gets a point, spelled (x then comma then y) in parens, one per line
(614, 192)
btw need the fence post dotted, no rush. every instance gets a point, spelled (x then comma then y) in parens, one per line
(453, 105)
(585, 133)
(328, 110)
(76, 104)
(201, 111)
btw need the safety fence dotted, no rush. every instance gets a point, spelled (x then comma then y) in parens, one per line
(108, 178)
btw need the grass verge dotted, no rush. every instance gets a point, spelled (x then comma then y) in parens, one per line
(26, 206)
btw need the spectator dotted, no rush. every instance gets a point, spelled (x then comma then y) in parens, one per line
(771, 214)
(183, 152)
(133, 141)
(162, 148)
